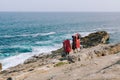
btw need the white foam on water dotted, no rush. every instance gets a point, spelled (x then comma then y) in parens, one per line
(37, 34)
(20, 46)
(15, 60)
(44, 49)
(110, 30)
(50, 33)
(43, 42)
(6, 36)
(19, 59)
(84, 33)
(26, 35)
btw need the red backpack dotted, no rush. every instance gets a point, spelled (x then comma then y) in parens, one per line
(67, 46)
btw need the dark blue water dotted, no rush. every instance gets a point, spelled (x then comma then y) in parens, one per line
(26, 34)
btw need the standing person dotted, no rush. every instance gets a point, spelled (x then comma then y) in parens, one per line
(74, 43)
(63, 54)
(67, 46)
(78, 42)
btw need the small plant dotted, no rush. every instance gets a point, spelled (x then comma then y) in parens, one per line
(60, 64)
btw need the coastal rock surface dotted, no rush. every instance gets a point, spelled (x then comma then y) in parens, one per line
(102, 68)
(97, 51)
(94, 39)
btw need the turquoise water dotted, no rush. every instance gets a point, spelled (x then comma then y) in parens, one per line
(25, 34)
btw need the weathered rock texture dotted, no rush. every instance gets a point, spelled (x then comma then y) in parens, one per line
(97, 51)
(94, 39)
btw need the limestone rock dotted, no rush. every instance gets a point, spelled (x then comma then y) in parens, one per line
(94, 39)
(30, 60)
(9, 78)
(93, 52)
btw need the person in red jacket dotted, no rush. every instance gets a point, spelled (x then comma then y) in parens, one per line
(78, 41)
(67, 46)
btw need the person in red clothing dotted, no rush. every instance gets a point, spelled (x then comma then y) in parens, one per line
(67, 46)
(78, 41)
(78, 44)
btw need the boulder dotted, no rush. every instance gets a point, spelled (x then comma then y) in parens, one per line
(96, 51)
(94, 39)
(9, 78)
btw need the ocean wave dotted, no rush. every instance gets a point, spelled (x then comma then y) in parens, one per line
(50, 33)
(14, 60)
(26, 35)
(15, 49)
(84, 33)
(43, 42)
(110, 30)
(7, 36)
(21, 46)
(19, 59)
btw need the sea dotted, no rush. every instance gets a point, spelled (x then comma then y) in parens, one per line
(24, 34)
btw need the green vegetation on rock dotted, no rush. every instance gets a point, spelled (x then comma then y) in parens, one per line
(60, 64)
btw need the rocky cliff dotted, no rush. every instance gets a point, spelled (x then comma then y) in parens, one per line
(93, 39)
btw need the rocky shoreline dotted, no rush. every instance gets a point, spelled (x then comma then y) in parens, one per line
(94, 47)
